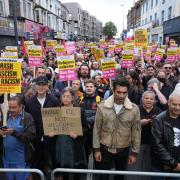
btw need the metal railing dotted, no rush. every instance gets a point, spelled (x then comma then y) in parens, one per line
(37, 171)
(108, 172)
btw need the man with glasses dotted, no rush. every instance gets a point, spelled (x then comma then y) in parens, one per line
(171, 79)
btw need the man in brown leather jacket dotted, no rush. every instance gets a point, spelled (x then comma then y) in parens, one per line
(117, 127)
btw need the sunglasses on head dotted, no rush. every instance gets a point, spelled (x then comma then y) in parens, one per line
(167, 67)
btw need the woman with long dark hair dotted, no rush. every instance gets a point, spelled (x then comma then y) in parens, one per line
(136, 89)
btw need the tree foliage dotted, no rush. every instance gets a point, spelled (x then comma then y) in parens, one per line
(110, 30)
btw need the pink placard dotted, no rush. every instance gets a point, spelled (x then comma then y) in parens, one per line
(118, 50)
(109, 74)
(127, 63)
(60, 54)
(157, 58)
(70, 47)
(35, 61)
(67, 75)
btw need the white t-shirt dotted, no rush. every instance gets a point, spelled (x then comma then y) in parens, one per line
(117, 107)
(41, 101)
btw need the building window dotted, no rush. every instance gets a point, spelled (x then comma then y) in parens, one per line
(142, 22)
(146, 21)
(1, 8)
(24, 8)
(147, 6)
(163, 1)
(156, 2)
(162, 16)
(169, 12)
(151, 4)
(150, 18)
(29, 10)
(49, 21)
(37, 15)
(155, 16)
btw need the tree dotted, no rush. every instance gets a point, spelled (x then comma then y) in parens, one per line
(109, 30)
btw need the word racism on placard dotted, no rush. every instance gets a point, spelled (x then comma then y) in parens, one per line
(10, 77)
(62, 121)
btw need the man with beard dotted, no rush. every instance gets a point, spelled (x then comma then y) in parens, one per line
(84, 74)
(117, 128)
(171, 79)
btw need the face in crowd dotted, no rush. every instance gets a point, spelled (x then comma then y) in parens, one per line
(84, 71)
(167, 68)
(174, 106)
(161, 76)
(129, 79)
(97, 79)
(40, 72)
(90, 89)
(95, 65)
(14, 108)
(78, 64)
(120, 93)
(150, 72)
(67, 98)
(148, 100)
(42, 88)
(76, 85)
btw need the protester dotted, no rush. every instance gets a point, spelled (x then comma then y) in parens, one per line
(18, 136)
(70, 152)
(136, 89)
(89, 102)
(165, 138)
(44, 146)
(117, 127)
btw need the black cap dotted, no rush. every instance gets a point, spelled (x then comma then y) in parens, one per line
(41, 80)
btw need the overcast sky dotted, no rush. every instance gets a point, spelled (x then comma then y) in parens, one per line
(107, 10)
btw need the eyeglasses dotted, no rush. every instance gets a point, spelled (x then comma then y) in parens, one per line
(167, 67)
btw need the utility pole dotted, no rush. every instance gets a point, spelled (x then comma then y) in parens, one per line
(14, 4)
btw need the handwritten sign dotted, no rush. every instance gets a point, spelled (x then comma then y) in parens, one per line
(10, 77)
(62, 121)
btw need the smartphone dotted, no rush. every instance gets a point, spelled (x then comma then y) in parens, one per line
(2, 128)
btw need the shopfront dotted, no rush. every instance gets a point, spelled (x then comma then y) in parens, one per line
(171, 29)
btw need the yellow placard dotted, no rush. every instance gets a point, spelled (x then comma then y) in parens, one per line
(10, 77)
(34, 52)
(60, 49)
(66, 64)
(99, 54)
(51, 43)
(28, 43)
(108, 65)
(127, 55)
(141, 38)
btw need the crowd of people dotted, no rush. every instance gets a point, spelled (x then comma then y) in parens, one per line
(131, 122)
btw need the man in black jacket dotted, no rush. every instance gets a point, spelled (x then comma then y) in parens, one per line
(44, 146)
(166, 137)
